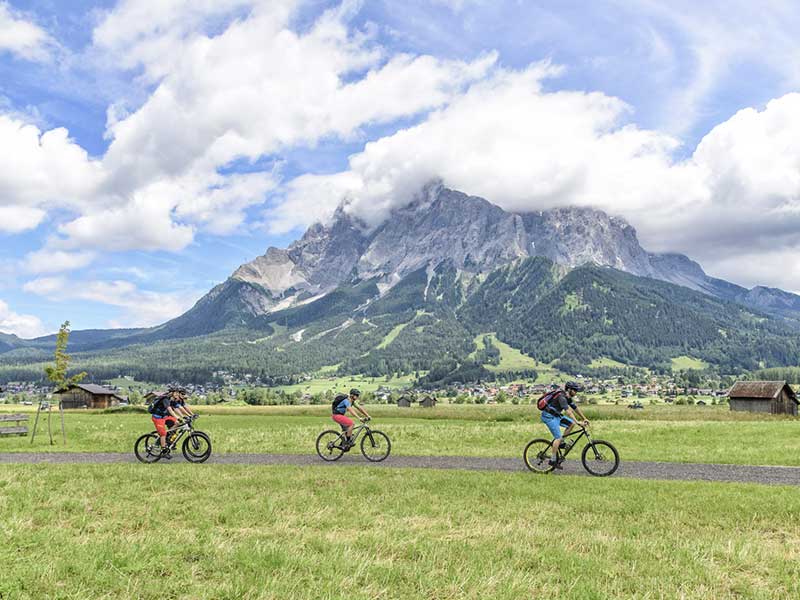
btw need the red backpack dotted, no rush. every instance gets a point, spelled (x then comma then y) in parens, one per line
(542, 402)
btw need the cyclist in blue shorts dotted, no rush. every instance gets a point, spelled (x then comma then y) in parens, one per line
(553, 416)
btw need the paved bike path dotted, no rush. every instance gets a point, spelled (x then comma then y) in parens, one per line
(633, 470)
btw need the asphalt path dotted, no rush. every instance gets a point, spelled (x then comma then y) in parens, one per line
(631, 470)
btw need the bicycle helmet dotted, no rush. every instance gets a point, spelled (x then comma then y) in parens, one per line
(355, 392)
(571, 385)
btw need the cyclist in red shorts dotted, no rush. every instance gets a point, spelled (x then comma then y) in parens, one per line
(165, 417)
(343, 404)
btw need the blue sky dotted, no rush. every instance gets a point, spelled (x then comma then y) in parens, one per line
(152, 147)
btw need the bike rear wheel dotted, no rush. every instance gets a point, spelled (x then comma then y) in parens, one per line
(375, 446)
(600, 458)
(329, 445)
(537, 456)
(196, 447)
(147, 448)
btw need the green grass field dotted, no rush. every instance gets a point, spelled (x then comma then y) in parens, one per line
(668, 434)
(216, 532)
(685, 363)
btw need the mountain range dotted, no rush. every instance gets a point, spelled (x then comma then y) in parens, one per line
(423, 290)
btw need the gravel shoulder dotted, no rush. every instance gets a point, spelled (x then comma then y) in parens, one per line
(632, 470)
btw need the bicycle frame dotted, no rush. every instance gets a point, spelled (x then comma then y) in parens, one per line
(581, 433)
(356, 432)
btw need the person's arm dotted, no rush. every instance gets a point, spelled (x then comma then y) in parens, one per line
(172, 412)
(358, 410)
(188, 410)
(362, 411)
(571, 412)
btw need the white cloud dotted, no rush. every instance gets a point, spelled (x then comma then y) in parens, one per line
(232, 83)
(40, 170)
(141, 308)
(56, 261)
(24, 326)
(526, 149)
(22, 37)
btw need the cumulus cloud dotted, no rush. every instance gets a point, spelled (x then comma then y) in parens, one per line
(141, 308)
(40, 170)
(21, 37)
(24, 326)
(527, 149)
(232, 83)
(56, 261)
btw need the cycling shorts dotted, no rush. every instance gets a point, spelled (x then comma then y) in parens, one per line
(554, 423)
(342, 420)
(163, 423)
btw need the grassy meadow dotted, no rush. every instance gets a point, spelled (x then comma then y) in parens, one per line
(708, 434)
(244, 533)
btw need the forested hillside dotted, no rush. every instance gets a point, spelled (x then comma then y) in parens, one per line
(429, 322)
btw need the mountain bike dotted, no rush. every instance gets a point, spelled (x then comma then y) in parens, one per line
(599, 458)
(375, 445)
(196, 447)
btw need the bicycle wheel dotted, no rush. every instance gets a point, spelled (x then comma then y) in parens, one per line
(196, 447)
(375, 446)
(600, 458)
(147, 448)
(537, 456)
(329, 445)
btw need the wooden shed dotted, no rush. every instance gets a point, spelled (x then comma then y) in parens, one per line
(428, 402)
(404, 402)
(769, 397)
(88, 395)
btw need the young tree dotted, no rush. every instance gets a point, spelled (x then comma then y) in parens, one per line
(57, 373)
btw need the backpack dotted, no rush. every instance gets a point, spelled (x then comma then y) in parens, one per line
(337, 401)
(151, 406)
(542, 402)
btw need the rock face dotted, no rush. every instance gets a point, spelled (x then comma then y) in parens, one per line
(474, 236)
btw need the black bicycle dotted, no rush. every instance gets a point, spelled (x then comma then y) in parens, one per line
(375, 445)
(599, 458)
(196, 445)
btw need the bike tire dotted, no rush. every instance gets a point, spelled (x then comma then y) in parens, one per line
(600, 458)
(328, 446)
(148, 448)
(375, 446)
(537, 456)
(196, 447)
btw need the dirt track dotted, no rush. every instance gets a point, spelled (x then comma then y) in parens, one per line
(634, 470)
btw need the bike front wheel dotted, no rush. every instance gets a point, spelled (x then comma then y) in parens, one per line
(600, 458)
(537, 456)
(147, 448)
(329, 445)
(375, 446)
(197, 447)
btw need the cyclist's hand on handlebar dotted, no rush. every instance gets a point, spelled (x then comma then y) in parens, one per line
(585, 422)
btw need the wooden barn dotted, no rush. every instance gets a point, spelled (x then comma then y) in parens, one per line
(428, 402)
(88, 395)
(404, 402)
(769, 397)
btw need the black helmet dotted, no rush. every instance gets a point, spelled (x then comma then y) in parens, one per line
(355, 392)
(571, 385)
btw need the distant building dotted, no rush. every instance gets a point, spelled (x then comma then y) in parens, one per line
(428, 402)
(89, 395)
(404, 402)
(769, 397)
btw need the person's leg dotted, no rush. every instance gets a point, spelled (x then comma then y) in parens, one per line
(552, 423)
(347, 425)
(162, 432)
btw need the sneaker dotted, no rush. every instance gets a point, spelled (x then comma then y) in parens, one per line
(556, 464)
(166, 454)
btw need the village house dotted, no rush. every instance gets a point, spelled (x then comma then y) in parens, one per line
(769, 397)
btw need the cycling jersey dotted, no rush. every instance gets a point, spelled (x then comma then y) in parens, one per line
(342, 407)
(559, 403)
